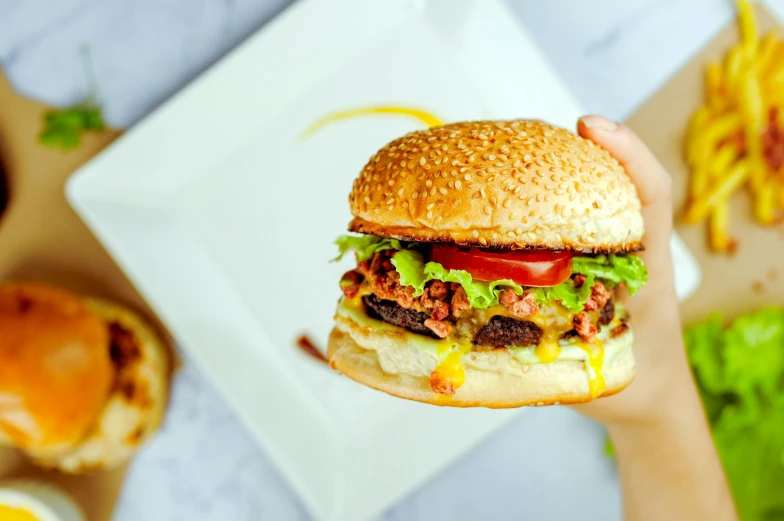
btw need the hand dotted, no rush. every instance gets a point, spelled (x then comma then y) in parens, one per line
(667, 463)
(662, 366)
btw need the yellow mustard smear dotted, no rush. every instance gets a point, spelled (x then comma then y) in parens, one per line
(552, 320)
(16, 514)
(425, 117)
(595, 354)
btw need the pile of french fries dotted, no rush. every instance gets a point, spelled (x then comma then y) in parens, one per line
(735, 139)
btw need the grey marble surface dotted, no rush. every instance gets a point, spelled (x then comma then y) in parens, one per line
(203, 466)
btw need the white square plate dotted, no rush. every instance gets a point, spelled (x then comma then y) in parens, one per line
(224, 217)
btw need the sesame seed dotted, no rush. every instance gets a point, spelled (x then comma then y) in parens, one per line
(414, 195)
(433, 191)
(390, 182)
(367, 199)
(491, 157)
(518, 231)
(422, 161)
(482, 191)
(429, 215)
(483, 241)
(458, 185)
(463, 169)
(442, 190)
(516, 164)
(510, 234)
(475, 233)
(428, 183)
(560, 191)
(403, 164)
(506, 203)
(549, 186)
(467, 177)
(494, 201)
(514, 215)
(400, 192)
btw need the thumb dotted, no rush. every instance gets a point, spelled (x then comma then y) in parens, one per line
(654, 184)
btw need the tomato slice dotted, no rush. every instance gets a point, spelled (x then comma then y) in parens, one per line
(527, 268)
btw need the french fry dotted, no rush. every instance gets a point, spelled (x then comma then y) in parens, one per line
(748, 28)
(696, 126)
(765, 204)
(780, 190)
(718, 228)
(732, 67)
(752, 107)
(705, 203)
(699, 181)
(766, 53)
(713, 132)
(721, 162)
(714, 87)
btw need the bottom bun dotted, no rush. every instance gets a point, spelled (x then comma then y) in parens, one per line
(493, 379)
(136, 404)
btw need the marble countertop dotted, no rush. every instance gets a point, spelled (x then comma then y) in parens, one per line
(204, 466)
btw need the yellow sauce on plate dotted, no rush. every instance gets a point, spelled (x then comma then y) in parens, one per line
(16, 514)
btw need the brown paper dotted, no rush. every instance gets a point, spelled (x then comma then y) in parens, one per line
(754, 276)
(41, 238)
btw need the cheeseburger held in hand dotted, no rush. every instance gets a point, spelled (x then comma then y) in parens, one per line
(488, 265)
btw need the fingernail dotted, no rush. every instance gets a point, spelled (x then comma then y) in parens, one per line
(598, 123)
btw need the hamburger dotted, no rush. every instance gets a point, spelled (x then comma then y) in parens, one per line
(490, 259)
(83, 382)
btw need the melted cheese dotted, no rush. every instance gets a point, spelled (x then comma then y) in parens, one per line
(553, 321)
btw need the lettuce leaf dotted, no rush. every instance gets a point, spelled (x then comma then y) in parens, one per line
(365, 245)
(740, 373)
(617, 269)
(414, 271)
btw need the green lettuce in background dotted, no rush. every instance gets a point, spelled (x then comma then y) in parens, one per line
(740, 373)
(415, 272)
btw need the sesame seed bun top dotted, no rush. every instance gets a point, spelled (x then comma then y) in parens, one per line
(516, 184)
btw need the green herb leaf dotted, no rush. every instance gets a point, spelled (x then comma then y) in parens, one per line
(63, 128)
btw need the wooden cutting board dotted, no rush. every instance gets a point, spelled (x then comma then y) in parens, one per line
(41, 238)
(754, 276)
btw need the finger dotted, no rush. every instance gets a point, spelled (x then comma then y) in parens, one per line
(654, 185)
(652, 180)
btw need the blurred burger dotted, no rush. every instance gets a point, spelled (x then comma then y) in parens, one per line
(488, 268)
(83, 382)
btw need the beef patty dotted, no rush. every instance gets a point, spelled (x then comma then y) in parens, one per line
(392, 312)
(502, 332)
(607, 313)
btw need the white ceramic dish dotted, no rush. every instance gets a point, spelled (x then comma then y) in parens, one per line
(224, 217)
